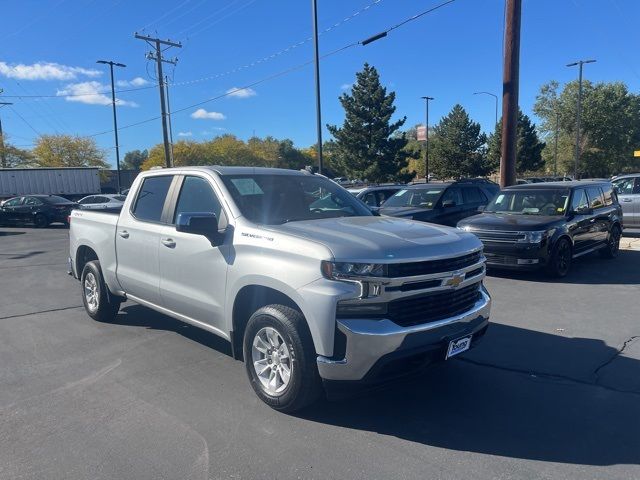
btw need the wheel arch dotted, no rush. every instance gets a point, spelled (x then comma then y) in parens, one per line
(84, 255)
(249, 299)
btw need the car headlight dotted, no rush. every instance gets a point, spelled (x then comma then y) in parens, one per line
(534, 236)
(346, 270)
(465, 228)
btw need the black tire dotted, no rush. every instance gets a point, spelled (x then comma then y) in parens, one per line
(560, 261)
(613, 243)
(304, 385)
(40, 220)
(100, 305)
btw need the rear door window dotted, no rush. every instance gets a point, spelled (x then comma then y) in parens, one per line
(579, 200)
(151, 198)
(32, 201)
(473, 195)
(595, 197)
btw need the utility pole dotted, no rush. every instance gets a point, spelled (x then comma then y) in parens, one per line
(166, 83)
(510, 86)
(2, 152)
(115, 119)
(495, 97)
(316, 57)
(426, 152)
(157, 56)
(580, 63)
(555, 155)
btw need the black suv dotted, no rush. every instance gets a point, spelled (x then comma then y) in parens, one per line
(443, 203)
(41, 210)
(547, 225)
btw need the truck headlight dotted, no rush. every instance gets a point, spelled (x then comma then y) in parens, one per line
(346, 270)
(534, 236)
(465, 228)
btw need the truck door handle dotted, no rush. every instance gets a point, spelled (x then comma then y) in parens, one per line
(168, 242)
(626, 200)
(123, 234)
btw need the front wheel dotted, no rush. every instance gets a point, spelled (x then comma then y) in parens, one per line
(98, 302)
(280, 358)
(613, 244)
(560, 261)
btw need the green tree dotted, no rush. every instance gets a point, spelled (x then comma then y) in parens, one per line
(529, 149)
(68, 151)
(12, 156)
(134, 159)
(610, 126)
(458, 147)
(366, 146)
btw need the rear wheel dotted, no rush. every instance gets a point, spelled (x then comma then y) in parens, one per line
(560, 261)
(40, 220)
(98, 302)
(280, 358)
(613, 243)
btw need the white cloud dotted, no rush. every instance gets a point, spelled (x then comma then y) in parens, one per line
(185, 134)
(45, 71)
(241, 92)
(202, 114)
(92, 93)
(136, 82)
(346, 86)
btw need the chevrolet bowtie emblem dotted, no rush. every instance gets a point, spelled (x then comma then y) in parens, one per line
(454, 281)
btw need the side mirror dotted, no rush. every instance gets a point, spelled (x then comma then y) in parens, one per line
(583, 211)
(200, 223)
(448, 204)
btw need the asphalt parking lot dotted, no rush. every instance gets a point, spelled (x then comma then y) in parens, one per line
(552, 392)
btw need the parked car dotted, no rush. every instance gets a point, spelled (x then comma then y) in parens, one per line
(39, 210)
(442, 203)
(548, 225)
(375, 196)
(102, 202)
(308, 286)
(628, 189)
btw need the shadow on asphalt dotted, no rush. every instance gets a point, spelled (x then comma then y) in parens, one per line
(484, 404)
(20, 256)
(494, 409)
(138, 316)
(590, 269)
(9, 234)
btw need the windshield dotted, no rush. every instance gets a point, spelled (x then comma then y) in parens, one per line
(530, 202)
(277, 199)
(119, 198)
(415, 197)
(55, 199)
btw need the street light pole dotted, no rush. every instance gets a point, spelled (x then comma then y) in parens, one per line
(495, 97)
(580, 63)
(426, 153)
(314, 7)
(555, 156)
(115, 118)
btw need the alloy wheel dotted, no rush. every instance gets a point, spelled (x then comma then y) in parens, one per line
(271, 361)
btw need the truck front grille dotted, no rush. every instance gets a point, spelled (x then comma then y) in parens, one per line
(416, 310)
(411, 269)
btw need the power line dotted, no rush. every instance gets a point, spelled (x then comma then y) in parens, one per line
(165, 15)
(259, 61)
(24, 120)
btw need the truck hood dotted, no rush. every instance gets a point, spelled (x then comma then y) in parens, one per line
(382, 239)
(492, 221)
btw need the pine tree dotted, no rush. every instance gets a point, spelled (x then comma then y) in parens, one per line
(458, 147)
(365, 145)
(529, 153)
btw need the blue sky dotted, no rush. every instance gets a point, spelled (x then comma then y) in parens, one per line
(447, 54)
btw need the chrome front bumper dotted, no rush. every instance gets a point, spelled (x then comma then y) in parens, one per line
(367, 340)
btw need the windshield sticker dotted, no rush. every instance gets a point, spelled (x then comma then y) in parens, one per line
(530, 210)
(247, 186)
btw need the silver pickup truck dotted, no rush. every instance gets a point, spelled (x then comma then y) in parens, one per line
(311, 289)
